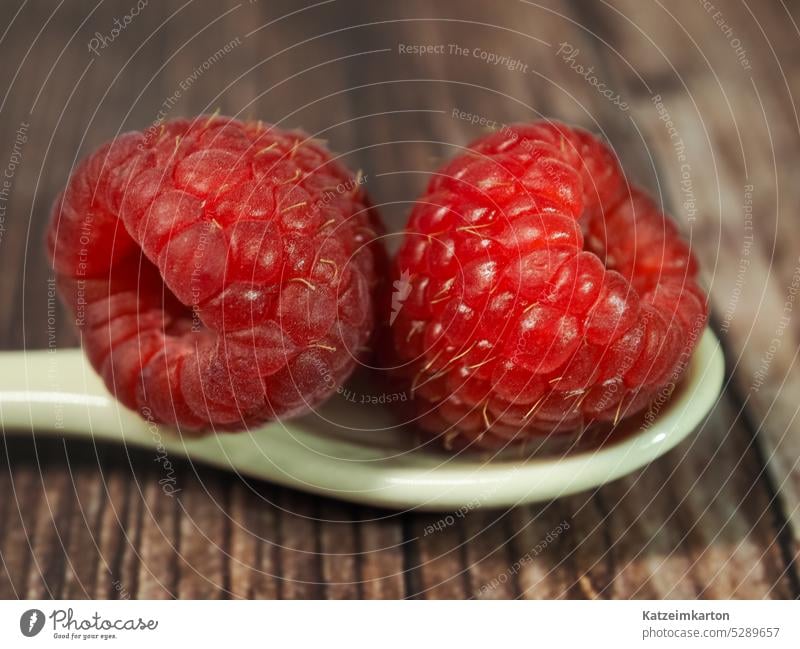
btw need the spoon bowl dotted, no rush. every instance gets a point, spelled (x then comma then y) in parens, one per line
(353, 451)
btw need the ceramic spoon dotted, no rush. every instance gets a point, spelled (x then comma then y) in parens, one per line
(348, 450)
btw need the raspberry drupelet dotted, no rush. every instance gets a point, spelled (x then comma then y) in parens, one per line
(545, 292)
(221, 272)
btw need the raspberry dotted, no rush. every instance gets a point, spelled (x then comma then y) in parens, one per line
(221, 272)
(545, 295)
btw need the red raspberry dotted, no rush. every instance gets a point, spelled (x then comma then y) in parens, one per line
(221, 272)
(536, 292)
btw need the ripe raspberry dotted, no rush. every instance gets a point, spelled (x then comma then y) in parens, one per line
(545, 293)
(221, 272)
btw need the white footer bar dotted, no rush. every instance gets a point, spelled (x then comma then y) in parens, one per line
(402, 624)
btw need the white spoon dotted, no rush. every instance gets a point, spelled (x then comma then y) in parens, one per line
(349, 450)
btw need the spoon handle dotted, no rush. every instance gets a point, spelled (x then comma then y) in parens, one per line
(57, 392)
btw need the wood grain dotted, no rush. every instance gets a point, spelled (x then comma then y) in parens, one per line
(718, 517)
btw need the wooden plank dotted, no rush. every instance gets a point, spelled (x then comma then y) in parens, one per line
(6, 583)
(703, 526)
(82, 541)
(691, 44)
(299, 549)
(204, 535)
(339, 551)
(117, 537)
(156, 549)
(381, 563)
(254, 542)
(440, 557)
(24, 501)
(487, 554)
(49, 528)
(544, 567)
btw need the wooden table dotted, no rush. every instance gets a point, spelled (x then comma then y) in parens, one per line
(699, 104)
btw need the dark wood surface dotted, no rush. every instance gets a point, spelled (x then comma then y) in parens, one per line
(716, 517)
